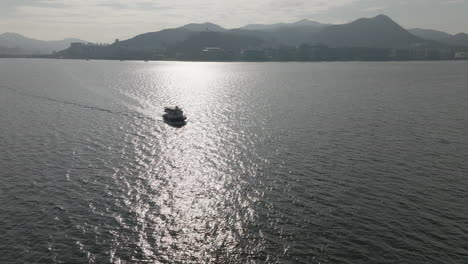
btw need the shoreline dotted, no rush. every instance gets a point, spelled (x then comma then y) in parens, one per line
(249, 61)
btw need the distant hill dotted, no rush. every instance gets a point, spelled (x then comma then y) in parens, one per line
(378, 32)
(227, 41)
(289, 34)
(367, 38)
(429, 34)
(193, 34)
(278, 34)
(155, 40)
(222, 44)
(460, 39)
(16, 44)
(273, 27)
(293, 36)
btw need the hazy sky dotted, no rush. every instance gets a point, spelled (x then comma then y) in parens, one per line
(105, 20)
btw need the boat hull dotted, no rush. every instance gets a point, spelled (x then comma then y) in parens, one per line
(174, 117)
(177, 124)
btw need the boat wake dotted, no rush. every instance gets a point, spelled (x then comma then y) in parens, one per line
(81, 105)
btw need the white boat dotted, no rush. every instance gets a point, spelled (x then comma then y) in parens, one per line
(174, 116)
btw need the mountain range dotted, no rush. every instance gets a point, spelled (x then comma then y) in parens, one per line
(460, 39)
(16, 44)
(377, 32)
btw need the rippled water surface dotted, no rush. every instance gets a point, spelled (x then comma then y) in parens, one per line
(279, 163)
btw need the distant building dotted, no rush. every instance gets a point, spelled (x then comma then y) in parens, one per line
(446, 54)
(461, 55)
(418, 54)
(159, 56)
(78, 50)
(253, 55)
(432, 54)
(399, 54)
(75, 45)
(213, 54)
(212, 49)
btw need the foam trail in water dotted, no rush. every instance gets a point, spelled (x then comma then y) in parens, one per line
(46, 98)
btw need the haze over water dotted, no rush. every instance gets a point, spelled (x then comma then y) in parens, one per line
(279, 163)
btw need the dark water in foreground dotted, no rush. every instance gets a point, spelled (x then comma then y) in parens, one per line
(280, 163)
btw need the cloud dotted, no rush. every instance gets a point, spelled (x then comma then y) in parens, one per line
(136, 16)
(373, 8)
(105, 20)
(451, 2)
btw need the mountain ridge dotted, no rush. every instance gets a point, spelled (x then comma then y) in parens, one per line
(21, 45)
(376, 32)
(460, 39)
(429, 33)
(379, 32)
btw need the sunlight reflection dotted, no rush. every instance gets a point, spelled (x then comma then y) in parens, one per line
(194, 183)
(194, 84)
